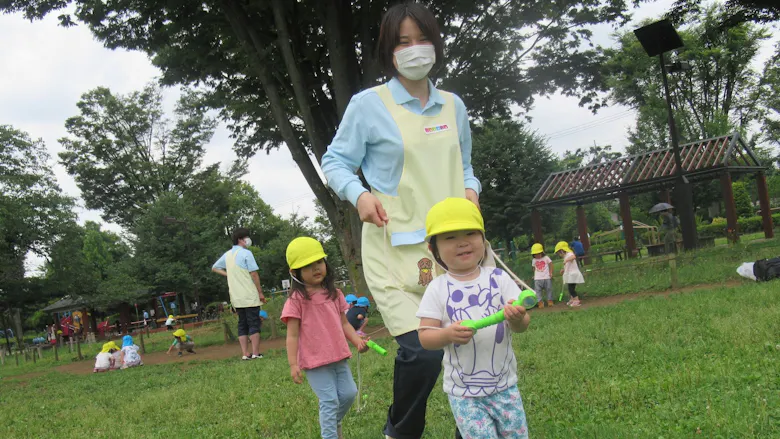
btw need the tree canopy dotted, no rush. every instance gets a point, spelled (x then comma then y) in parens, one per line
(283, 72)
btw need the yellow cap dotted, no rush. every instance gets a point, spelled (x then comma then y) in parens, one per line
(179, 333)
(536, 249)
(170, 316)
(452, 215)
(108, 346)
(303, 251)
(562, 245)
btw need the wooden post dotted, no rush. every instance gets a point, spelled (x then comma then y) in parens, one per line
(40, 353)
(17, 357)
(766, 210)
(673, 270)
(225, 330)
(78, 347)
(731, 207)
(56, 353)
(628, 225)
(70, 344)
(2, 357)
(536, 226)
(274, 330)
(143, 346)
(582, 227)
(33, 355)
(666, 196)
(26, 355)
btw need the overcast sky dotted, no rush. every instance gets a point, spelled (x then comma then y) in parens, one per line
(46, 68)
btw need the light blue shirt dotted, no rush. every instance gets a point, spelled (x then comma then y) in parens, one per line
(244, 259)
(368, 138)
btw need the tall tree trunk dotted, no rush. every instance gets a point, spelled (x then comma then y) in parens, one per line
(343, 217)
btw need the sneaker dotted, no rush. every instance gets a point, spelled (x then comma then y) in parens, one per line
(179, 354)
(246, 358)
(575, 302)
(549, 303)
(541, 304)
(256, 357)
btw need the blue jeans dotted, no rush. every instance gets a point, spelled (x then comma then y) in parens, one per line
(334, 386)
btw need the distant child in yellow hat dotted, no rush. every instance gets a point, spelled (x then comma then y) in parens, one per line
(570, 272)
(182, 341)
(105, 360)
(543, 273)
(480, 368)
(317, 333)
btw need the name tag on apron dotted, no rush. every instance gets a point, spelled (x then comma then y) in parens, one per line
(436, 129)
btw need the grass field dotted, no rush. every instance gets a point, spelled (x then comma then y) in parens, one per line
(650, 368)
(704, 266)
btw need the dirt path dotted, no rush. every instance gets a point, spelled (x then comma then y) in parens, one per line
(219, 352)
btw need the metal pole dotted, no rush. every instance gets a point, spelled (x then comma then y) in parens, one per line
(683, 190)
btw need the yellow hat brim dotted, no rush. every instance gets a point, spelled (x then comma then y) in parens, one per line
(308, 260)
(454, 227)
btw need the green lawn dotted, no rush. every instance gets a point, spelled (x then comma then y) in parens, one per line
(704, 266)
(650, 368)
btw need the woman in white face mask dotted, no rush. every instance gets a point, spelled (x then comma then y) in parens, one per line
(413, 144)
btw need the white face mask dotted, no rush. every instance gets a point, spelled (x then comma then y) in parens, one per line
(415, 62)
(248, 241)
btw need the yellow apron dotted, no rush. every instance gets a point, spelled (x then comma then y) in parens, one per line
(243, 292)
(398, 267)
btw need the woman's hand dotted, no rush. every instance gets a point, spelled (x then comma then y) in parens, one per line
(562, 271)
(459, 334)
(296, 374)
(370, 209)
(472, 196)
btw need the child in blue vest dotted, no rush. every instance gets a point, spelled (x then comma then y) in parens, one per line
(358, 315)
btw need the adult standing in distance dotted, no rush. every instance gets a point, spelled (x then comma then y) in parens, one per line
(413, 143)
(246, 295)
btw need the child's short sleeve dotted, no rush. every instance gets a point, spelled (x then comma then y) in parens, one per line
(509, 289)
(569, 257)
(341, 302)
(548, 260)
(292, 308)
(432, 304)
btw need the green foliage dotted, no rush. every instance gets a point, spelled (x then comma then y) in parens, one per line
(719, 95)
(512, 163)
(289, 80)
(744, 225)
(597, 215)
(125, 154)
(742, 199)
(33, 212)
(770, 97)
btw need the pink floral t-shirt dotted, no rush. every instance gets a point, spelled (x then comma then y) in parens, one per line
(321, 337)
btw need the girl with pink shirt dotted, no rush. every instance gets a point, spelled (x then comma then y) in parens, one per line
(317, 333)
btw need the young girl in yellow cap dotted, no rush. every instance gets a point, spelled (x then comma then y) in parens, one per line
(480, 376)
(105, 361)
(317, 333)
(570, 271)
(182, 341)
(543, 271)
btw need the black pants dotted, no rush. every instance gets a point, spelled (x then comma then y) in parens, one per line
(415, 375)
(572, 288)
(248, 320)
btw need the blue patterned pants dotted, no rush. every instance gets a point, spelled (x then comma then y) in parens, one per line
(491, 417)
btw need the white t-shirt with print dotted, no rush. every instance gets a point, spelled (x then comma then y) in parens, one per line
(103, 360)
(131, 354)
(541, 267)
(487, 364)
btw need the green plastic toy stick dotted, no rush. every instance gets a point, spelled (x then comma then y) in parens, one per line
(527, 299)
(376, 347)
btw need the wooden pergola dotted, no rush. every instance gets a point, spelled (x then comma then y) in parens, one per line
(708, 159)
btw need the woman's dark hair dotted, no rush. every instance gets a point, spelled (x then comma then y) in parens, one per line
(389, 34)
(239, 234)
(328, 283)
